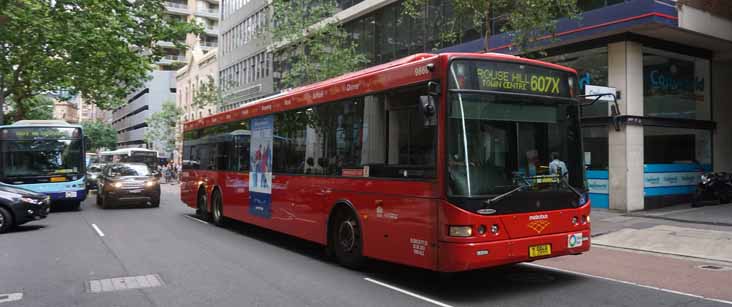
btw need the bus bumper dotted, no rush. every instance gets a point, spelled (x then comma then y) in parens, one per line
(78, 195)
(454, 257)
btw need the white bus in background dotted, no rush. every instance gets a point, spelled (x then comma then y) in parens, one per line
(139, 155)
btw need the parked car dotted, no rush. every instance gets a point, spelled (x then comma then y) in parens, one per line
(92, 172)
(19, 206)
(713, 187)
(128, 183)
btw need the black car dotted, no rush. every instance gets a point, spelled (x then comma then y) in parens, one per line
(128, 183)
(92, 172)
(19, 206)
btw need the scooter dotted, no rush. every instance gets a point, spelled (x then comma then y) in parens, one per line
(713, 186)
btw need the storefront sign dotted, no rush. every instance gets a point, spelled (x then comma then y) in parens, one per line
(596, 90)
(654, 180)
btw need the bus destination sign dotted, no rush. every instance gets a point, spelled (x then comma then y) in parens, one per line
(512, 77)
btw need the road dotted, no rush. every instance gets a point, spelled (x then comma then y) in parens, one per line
(51, 263)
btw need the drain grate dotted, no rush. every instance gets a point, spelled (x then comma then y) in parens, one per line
(711, 267)
(124, 283)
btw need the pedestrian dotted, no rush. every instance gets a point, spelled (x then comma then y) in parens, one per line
(557, 167)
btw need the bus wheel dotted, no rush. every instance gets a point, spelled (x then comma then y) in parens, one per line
(346, 238)
(217, 208)
(201, 211)
(6, 220)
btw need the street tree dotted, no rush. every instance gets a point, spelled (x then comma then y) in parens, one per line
(208, 93)
(161, 126)
(101, 134)
(314, 43)
(99, 49)
(38, 107)
(526, 21)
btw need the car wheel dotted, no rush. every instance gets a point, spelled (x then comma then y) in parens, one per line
(99, 199)
(724, 198)
(6, 220)
(346, 239)
(217, 208)
(202, 202)
(105, 201)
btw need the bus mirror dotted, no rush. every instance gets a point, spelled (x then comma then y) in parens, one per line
(87, 143)
(433, 88)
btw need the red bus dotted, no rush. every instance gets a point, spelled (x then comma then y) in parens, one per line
(448, 162)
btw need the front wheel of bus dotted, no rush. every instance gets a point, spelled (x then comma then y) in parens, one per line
(347, 242)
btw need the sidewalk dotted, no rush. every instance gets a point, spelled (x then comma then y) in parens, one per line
(703, 233)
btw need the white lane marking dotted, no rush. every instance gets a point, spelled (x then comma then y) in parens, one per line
(99, 231)
(630, 283)
(426, 299)
(10, 297)
(195, 219)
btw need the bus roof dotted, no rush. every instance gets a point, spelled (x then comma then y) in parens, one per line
(401, 72)
(37, 123)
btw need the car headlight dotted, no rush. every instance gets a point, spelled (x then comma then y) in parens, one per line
(31, 200)
(117, 185)
(705, 179)
(150, 183)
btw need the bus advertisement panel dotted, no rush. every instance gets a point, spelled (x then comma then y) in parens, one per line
(448, 162)
(46, 157)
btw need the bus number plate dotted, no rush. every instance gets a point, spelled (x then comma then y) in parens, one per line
(71, 194)
(540, 250)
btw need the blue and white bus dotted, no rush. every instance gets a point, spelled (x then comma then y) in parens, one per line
(45, 156)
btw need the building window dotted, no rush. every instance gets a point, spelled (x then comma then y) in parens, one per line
(677, 145)
(675, 86)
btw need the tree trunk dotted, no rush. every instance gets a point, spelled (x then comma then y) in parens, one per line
(2, 100)
(488, 25)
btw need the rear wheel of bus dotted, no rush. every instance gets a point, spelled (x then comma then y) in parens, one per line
(346, 240)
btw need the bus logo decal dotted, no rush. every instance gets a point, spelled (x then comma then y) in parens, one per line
(538, 225)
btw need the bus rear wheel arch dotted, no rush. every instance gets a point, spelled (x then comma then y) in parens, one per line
(345, 239)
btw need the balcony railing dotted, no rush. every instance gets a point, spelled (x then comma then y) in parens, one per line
(175, 7)
(207, 12)
(171, 57)
(210, 44)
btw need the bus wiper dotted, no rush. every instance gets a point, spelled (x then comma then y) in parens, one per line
(565, 182)
(504, 195)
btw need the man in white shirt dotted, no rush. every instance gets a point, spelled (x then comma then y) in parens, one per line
(557, 167)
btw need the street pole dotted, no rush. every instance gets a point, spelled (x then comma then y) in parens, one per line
(2, 99)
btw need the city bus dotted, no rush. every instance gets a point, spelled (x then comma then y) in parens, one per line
(46, 156)
(138, 155)
(448, 162)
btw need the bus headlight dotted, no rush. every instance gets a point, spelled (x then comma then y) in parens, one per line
(460, 231)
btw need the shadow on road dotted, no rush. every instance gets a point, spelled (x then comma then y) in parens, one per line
(25, 228)
(462, 288)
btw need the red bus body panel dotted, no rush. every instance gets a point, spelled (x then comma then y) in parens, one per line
(403, 221)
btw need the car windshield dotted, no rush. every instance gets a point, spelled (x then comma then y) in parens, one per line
(41, 157)
(130, 170)
(94, 169)
(497, 143)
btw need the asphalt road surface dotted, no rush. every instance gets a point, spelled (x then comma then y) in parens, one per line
(52, 262)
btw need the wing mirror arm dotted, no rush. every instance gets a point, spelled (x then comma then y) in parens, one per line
(614, 108)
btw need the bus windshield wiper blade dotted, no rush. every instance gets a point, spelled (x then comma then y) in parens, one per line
(569, 186)
(502, 196)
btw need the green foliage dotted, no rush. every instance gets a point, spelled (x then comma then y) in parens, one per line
(315, 46)
(39, 107)
(102, 135)
(208, 93)
(525, 20)
(161, 126)
(100, 49)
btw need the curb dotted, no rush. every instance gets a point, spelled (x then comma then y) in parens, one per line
(679, 220)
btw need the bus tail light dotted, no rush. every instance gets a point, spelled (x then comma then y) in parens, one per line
(460, 231)
(494, 229)
(575, 220)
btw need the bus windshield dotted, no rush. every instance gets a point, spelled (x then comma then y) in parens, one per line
(28, 152)
(497, 143)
